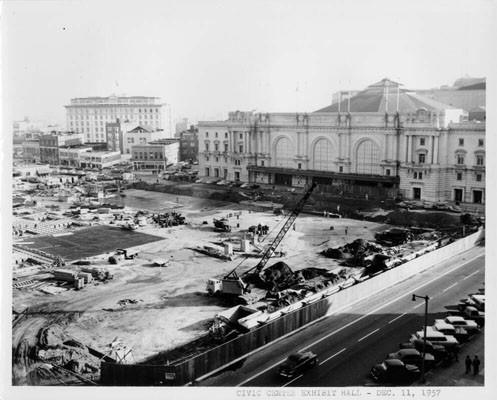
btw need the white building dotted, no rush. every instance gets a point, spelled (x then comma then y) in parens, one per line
(90, 114)
(384, 142)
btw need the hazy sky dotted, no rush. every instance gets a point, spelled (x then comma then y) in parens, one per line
(210, 57)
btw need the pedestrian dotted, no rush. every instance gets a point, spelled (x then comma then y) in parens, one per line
(476, 366)
(346, 230)
(468, 364)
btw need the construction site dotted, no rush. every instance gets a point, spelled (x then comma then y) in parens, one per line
(154, 278)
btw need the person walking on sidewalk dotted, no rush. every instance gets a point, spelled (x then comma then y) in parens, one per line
(468, 364)
(476, 365)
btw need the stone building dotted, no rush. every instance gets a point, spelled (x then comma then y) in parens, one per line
(49, 145)
(89, 115)
(155, 157)
(383, 142)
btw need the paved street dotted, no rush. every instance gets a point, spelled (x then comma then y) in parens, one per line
(349, 343)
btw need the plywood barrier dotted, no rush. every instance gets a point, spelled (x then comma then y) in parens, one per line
(240, 347)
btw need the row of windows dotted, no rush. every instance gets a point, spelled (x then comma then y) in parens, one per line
(236, 161)
(461, 159)
(140, 155)
(216, 147)
(110, 117)
(481, 142)
(459, 176)
(216, 134)
(111, 110)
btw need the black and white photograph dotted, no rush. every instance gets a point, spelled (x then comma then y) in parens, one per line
(260, 199)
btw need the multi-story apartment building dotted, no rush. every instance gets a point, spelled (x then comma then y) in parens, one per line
(188, 145)
(155, 156)
(382, 142)
(49, 145)
(89, 115)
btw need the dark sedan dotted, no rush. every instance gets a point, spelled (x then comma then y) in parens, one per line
(413, 357)
(439, 352)
(297, 363)
(395, 371)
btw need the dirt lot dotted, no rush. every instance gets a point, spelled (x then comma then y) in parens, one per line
(172, 305)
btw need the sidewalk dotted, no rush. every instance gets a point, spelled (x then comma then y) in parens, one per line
(454, 374)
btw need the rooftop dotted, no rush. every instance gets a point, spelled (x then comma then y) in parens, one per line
(386, 96)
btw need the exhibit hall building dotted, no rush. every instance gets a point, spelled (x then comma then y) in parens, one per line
(383, 142)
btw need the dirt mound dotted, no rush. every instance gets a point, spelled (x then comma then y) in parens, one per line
(279, 274)
(51, 336)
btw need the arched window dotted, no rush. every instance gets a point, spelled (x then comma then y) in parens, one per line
(368, 158)
(322, 155)
(284, 153)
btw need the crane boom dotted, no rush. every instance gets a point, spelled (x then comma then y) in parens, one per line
(281, 234)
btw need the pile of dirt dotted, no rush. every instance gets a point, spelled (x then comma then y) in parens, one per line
(352, 253)
(279, 275)
(56, 348)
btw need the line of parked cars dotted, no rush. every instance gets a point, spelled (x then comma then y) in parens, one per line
(443, 341)
(429, 205)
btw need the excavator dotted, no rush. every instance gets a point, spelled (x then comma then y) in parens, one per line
(234, 284)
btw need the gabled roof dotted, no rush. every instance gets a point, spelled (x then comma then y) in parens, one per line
(383, 96)
(145, 128)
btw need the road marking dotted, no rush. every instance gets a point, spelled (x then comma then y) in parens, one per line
(293, 380)
(334, 355)
(418, 305)
(474, 273)
(361, 318)
(450, 287)
(396, 318)
(369, 334)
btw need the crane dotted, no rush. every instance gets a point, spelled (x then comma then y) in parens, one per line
(233, 283)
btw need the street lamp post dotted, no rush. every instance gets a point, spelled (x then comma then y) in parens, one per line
(425, 298)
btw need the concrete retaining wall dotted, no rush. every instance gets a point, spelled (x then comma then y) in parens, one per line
(240, 347)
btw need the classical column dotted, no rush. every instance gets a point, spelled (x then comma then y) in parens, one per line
(435, 150)
(409, 148)
(431, 152)
(348, 149)
(385, 147)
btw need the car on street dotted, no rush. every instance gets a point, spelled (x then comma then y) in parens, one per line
(439, 352)
(449, 342)
(474, 300)
(296, 363)
(469, 325)
(395, 371)
(459, 333)
(413, 357)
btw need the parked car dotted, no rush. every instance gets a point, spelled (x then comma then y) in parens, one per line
(475, 300)
(428, 205)
(441, 205)
(413, 357)
(447, 329)
(474, 314)
(454, 208)
(395, 371)
(438, 351)
(449, 342)
(469, 325)
(297, 363)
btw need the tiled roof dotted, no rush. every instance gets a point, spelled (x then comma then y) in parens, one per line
(383, 96)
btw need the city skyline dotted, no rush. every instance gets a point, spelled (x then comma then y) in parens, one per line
(209, 58)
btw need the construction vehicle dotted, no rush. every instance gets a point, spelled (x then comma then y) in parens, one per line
(234, 284)
(221, 225)
(126, 255)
